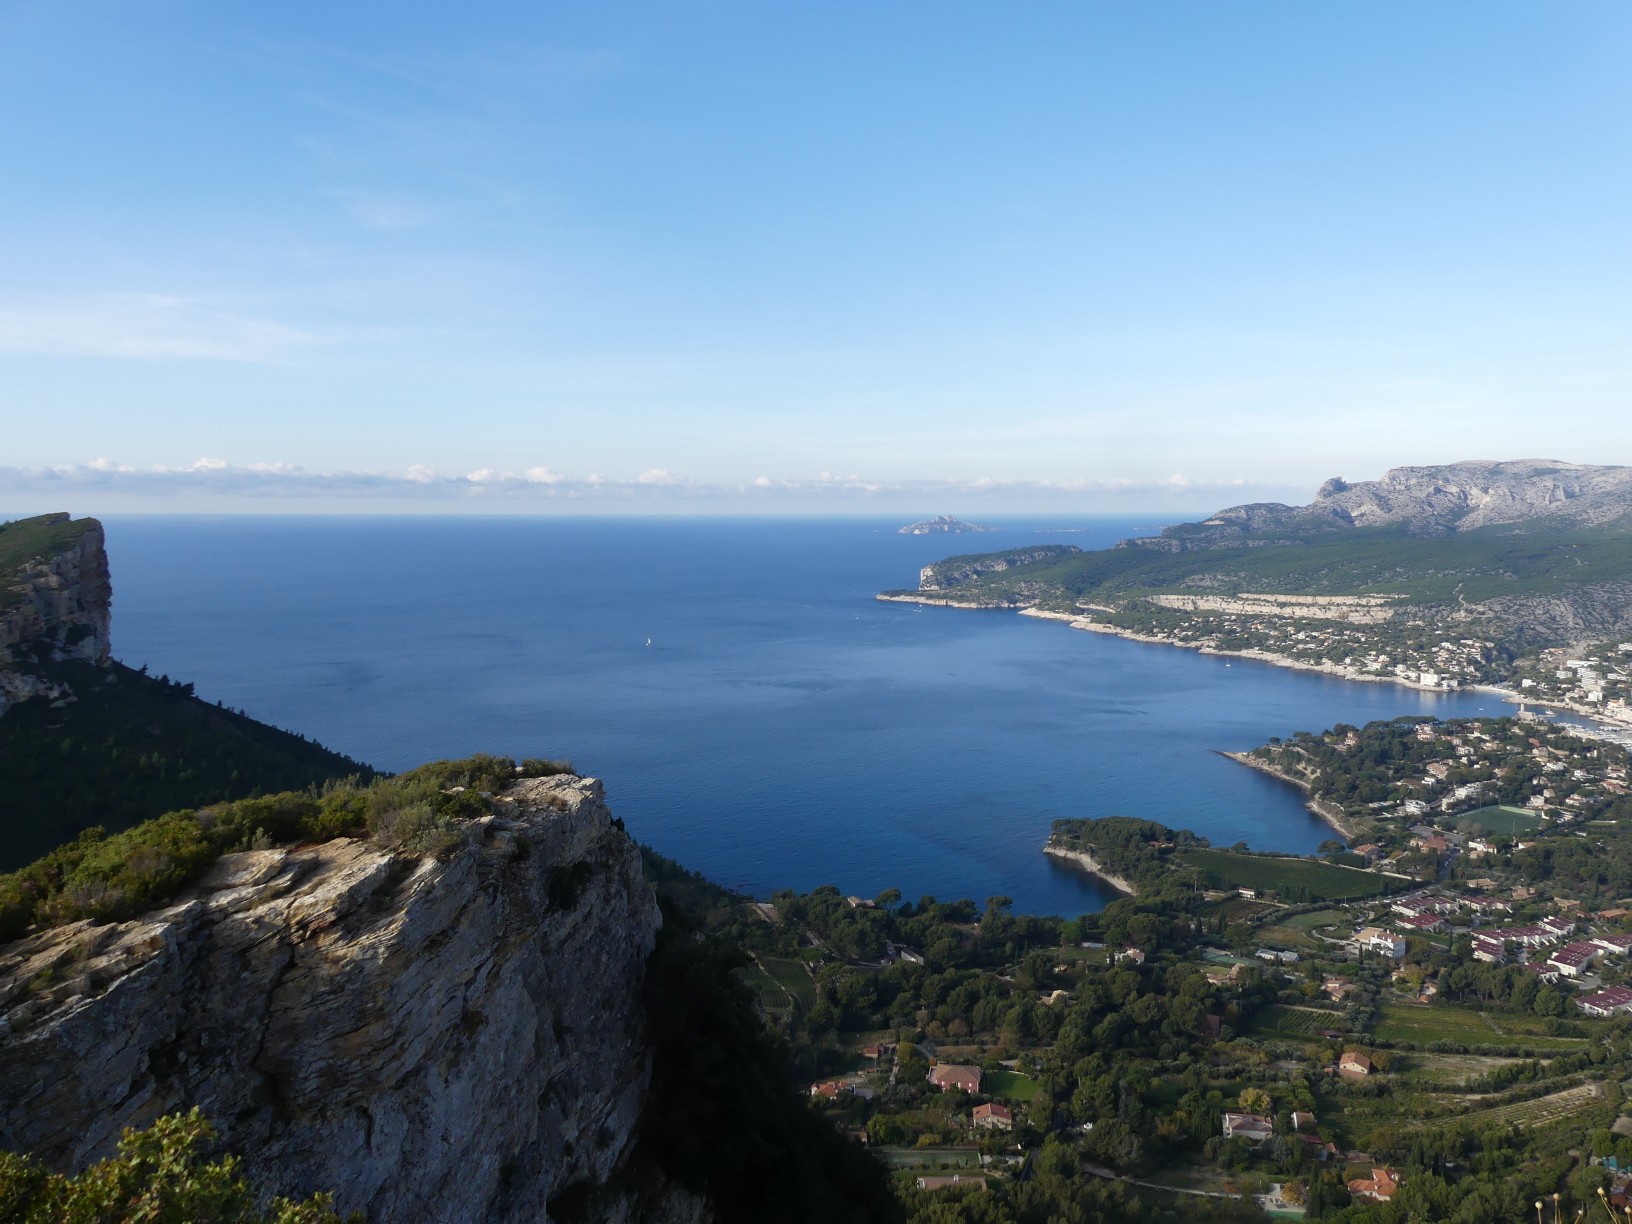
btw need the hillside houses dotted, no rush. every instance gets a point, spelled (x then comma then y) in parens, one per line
(1616, 1001)
(1378, 941)
(992, 1117)
(949, 1077)
(1354, 1065)
(1572, 960)
(1422, 924)
(1254, 1128)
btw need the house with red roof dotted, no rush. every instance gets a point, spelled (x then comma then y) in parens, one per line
(993, 1117)
(953, 1076)
(1379, 1187)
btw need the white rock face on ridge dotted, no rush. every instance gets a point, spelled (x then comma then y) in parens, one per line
(1456, 497)
(62, 603)
(431, 1040)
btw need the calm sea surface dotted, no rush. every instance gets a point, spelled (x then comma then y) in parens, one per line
(781, 728)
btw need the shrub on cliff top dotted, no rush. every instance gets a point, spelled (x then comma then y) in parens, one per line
(104, 878)
(160, 1176)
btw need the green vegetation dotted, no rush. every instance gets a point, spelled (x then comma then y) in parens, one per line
(1501, 819)
(160, 1176)
(1298, 1022)
(1008, 1086)
(1294, 879)
(1156, 858)
(1520, 587)
(1415, 765)
(1416, 1024)
(104, 878)
(130, 747)
(1534, 558)
(722, 1118)
(30, 539)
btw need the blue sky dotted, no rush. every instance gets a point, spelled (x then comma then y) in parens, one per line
(843, 258)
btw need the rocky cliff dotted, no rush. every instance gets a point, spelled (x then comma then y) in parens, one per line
(54, 598)
(956, 571)
(1434, 500)
(432, 1039)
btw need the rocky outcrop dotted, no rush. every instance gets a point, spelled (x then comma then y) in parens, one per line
(1433, 500)
(941, 524)
(956, 571)
(431, 1039)
(55, 598)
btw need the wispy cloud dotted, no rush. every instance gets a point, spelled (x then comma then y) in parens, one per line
(220, 478)
(142, 326)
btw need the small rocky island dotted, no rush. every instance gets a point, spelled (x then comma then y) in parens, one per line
(942, 524)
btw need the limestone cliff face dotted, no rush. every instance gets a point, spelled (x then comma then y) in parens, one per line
(60, 602)
(1430, 501)
(432, 1040)
(955, 571)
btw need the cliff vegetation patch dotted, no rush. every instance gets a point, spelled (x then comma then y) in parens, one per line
(107, 878)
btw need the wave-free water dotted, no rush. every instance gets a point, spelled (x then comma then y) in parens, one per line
(755, 712)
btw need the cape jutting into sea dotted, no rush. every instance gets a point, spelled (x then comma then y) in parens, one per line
(755, 712)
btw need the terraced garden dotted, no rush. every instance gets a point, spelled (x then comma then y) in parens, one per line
(1304, 1023)
(1540, 1112)
(784, 986)
(1290, 878)
(1423, 1025)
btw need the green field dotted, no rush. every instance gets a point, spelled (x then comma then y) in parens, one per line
(793, 977)
(1010, 1085)
(782, 985)
(1318, 919)
(1285, 935)
(1502, 819)
(931, 1158)
(1300, 1022)
(1539, 1112)
(772, 997)
(1086, 956)
(1423, 1025)
(1289, 878)
(1239, 909)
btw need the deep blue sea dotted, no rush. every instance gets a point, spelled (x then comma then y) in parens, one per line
(783, 729)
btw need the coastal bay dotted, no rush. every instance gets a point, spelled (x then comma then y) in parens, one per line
(784, 729)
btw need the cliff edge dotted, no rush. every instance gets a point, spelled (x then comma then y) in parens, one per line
(55, 598)
(431, 1039)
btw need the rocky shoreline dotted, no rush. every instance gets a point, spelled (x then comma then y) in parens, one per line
(1088, 624)
(1325, 811)
(1081, 858)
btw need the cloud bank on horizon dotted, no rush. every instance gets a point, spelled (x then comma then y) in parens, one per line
(102, 483)
(1018, 260)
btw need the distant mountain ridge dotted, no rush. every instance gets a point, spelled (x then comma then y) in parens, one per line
(1526, 554)
(1428, 501)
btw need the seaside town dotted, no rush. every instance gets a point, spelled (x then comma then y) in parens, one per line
(1400, 1021)
(1361, 638)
